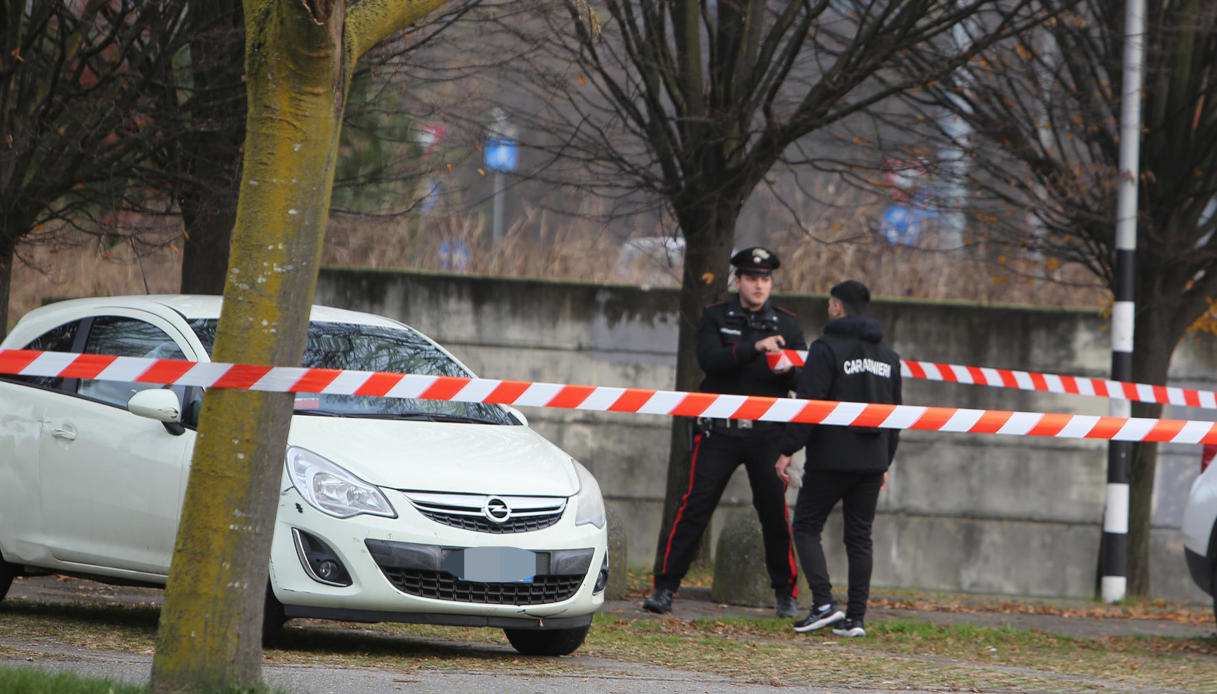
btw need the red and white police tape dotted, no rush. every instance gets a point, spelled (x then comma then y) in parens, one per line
(1028, 380)
(599, 398)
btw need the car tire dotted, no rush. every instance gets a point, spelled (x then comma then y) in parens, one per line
(547, 641)
(1213, 589)
(7, 572)
(272, 618)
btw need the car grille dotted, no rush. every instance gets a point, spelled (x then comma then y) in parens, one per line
(465, 511)
(441, 585)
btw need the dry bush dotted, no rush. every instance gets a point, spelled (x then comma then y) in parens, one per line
(812, 260)
(837, 246)
(47, 273)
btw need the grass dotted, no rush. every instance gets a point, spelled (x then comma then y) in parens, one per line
(906, 653)
(897, 653)
(33, 681)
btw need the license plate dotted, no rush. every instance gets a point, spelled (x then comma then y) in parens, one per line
(492, 564)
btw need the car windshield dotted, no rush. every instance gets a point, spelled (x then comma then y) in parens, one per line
(374, 348)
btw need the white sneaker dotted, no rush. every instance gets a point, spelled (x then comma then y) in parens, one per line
(819, 618)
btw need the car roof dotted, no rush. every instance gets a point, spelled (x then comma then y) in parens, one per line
(193, 306)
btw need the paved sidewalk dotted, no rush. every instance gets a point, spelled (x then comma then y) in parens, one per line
(606, 675)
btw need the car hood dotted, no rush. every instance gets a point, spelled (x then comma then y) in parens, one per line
(440, 456)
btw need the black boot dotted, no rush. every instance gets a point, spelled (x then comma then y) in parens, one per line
(787, 605)
(660, 601)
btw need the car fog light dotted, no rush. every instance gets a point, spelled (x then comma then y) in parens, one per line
(321, 562)
(329, 570)
(602, 578)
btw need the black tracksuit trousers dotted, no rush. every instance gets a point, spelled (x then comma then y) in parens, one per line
(715, 457)
(821, 490)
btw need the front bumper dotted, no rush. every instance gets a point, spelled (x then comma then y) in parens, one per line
(400, 569)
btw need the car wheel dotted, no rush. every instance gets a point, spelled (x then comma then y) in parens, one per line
(272, 617)
(1213, 588)
(547, 641)
(6, 577)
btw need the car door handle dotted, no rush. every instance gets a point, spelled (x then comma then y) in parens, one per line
(63, 431)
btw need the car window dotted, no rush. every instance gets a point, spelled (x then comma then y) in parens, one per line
(374, 348)
(126, 337)
(59, 339)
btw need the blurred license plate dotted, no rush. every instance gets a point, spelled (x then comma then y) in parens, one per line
(492, 564)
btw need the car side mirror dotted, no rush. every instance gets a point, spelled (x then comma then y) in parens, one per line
(156, 403)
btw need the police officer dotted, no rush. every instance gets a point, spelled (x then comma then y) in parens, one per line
(848, 363)
(732, 339)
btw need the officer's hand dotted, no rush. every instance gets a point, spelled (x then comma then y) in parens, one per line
(773, 343)
(783, 468)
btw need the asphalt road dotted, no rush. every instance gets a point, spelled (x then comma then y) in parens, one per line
(596, 675)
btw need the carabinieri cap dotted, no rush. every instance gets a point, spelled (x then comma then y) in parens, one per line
(755, 261)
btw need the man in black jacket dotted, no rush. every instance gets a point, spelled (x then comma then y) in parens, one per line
(732, 339)
(849, 363)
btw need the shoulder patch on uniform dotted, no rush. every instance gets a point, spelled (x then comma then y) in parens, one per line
(787, 311)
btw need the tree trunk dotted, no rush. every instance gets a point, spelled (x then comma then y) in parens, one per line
(211, 155)
(708, 240)
(298, 69)
(6, 283)
(208, 223)
(1154, 342)
(210, 629)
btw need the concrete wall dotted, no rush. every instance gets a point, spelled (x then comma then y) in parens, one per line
(977, 513)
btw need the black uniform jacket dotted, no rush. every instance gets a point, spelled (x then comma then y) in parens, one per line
(848, 363)
(726, 348)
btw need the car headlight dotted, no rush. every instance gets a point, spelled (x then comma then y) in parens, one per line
(589, 505)
(333, 490)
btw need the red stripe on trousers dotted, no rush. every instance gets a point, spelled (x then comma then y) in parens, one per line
(667, 550)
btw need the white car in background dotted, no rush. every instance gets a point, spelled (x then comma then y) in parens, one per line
(389, 510)
(1200, 530)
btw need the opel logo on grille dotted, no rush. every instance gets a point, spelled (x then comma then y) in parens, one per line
(496, 510)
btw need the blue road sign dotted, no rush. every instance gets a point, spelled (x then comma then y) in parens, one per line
(501, 154)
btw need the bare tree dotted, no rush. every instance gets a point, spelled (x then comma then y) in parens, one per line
(1041, 164)
(201, 116)
(75, 79)
(693, 104)
(204, 110)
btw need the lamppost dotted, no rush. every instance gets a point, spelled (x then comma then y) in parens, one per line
(501, 157)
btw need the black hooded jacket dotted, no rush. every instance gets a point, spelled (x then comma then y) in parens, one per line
(849, 363)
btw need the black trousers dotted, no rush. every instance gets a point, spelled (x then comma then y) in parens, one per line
(821, 491)
(715, 457)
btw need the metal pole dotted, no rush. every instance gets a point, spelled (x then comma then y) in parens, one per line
(1119, 454)
(953, 156)
(497, 229)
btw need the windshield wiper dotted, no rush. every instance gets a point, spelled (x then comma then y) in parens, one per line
(444, 417)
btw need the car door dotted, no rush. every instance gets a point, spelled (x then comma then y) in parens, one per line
(112, 482)
(25, 403)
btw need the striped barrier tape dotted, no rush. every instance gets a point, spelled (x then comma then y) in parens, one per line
(1028, 380)
(600, 398)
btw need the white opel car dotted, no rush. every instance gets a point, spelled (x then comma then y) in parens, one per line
(1200, 532)
(389, 510)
